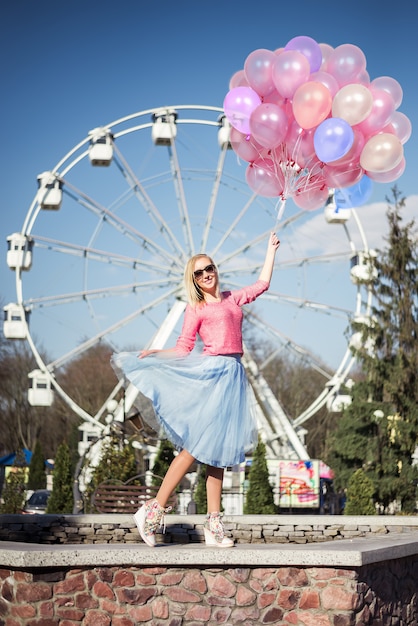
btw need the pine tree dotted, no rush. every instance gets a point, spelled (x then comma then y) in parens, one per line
(163, 460)
(61, 498)
(360, 495)
(378, 431)
(117, 462)
(14, 490)
(37, 475)
(260, 498)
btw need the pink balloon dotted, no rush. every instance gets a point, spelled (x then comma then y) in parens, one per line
(309, 47)
(293, 139)
(343, 175)
(364, 78)
(245, 146)
(391, 86)
(313, 195)
(268, 125)
(326, 50)
(326, 79)
(258, 71)
(381, 153)
(311, 104)
(239, 103)
(345, 63)
(299, 144)
(382, 109)
(391, 175)
(399, 125)
(238, 80)
(290, 69)
(263, 178)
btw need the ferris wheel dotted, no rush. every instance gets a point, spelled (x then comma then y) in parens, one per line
(102, 248)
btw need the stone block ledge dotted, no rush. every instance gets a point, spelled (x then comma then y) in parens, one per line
(345, 553)
(274, 530)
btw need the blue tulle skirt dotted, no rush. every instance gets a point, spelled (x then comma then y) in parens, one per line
(204, 404)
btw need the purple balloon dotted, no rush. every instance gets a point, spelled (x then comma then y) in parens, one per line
(333, 138)
(239, 103)
(309, 47)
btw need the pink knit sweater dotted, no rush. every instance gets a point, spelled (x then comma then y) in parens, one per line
(219, 324)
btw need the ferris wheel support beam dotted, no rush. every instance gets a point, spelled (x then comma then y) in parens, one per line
(278, 419)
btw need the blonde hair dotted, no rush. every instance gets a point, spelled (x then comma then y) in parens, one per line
(195, 295)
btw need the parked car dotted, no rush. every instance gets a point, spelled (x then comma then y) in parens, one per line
(37, 501)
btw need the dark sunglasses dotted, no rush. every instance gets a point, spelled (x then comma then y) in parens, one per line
(209, 269)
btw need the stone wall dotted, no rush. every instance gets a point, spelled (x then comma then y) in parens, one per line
(251, 529)
(192, 596)
(284, 570)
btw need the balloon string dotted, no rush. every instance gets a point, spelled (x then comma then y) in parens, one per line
(280, 212)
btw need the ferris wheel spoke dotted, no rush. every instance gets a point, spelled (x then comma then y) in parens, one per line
(213, 197)
(116, 222)
(288, 343)
(181, 199)
(89, 343)
(104, 256)
(139, 191)
(231, 228)
(246, 247)
(303, 303)
(315, 259)
(92, 294)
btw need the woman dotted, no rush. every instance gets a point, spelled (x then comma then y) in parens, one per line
(203, 401)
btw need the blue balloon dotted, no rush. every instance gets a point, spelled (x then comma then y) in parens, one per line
(354, 196)
(333, 138)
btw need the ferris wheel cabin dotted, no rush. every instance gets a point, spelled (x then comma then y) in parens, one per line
(16, 320)
(362, 269)
(19, 251)
(40, 393)
(49, 194)
(334, 214)
(224, 133)
(339, 402)
(359, 340)
(164, 129)
(101, 147)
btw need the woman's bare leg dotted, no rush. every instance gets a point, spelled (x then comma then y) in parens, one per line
(180, 465)
(214, 480)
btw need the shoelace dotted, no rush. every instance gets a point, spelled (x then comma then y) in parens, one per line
(166, 510)
(158, 517)
(215, 525)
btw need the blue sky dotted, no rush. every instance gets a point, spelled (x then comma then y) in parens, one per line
(67, 68)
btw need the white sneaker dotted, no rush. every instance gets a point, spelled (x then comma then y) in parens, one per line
(148, 519)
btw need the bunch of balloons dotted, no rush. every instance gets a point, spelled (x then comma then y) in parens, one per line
(307, 118)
